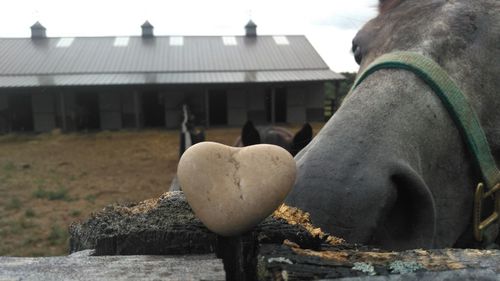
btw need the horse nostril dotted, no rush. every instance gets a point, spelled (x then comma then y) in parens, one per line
(357, 53)
(410, 215)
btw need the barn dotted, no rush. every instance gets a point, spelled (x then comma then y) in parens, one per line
(113, 83)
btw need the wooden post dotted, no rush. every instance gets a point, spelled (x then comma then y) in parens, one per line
(63, 111)
(136, 110)
(207, 109)
(273, 105)
(335, 101)
(238, 254)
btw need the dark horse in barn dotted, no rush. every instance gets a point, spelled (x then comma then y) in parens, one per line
(280, 136)
(397, 165)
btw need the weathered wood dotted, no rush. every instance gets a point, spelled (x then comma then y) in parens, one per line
(455, 275)
(167, 226)
(290, 262)
(238, 255)
(82, 266)
(277, 249)
(156, 227)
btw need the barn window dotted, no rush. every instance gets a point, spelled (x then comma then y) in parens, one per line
(281, 40)
(176, 41)
(65, 42)
(121, 41)
(229, 40)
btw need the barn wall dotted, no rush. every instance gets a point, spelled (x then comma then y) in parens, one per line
(256, 105)
(62, 115)
(237, 107)
(59, 98)
(44, 112)
(173, 109)
(4, 125)
(195, 98)
(129, 108)
(110, 110)
(70, 104)
(174, 98)
(315, 102)
(296, 109)
(118, 107)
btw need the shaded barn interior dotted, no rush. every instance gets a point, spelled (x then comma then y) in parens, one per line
(154, 109)
(20, 112)
(217, 103)
(276, 105)
(87, 115)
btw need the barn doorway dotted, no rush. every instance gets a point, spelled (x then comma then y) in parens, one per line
(280, 105)
(276, 105)
(153, 109)
(87, 112)
(217, 104)
(21, 112)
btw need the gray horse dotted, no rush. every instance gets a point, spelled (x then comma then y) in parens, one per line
(390, 168)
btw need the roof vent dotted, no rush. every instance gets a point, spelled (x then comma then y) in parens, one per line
(147, 30)
(38, 31)
(251, 29)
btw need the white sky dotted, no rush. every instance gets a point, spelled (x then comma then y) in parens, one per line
(330, 25)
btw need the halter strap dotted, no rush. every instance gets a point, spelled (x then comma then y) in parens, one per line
(462, 114)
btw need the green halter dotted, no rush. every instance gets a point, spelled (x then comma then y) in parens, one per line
(465, 119)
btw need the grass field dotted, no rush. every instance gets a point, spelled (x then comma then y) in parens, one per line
(48, 181)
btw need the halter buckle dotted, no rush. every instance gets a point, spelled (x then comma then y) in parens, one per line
(480, 225)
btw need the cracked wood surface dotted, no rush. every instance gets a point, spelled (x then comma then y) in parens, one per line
(82, 266)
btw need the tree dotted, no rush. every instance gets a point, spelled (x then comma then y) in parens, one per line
(334, 98)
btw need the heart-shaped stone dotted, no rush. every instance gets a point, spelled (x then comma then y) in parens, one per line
(233, 189)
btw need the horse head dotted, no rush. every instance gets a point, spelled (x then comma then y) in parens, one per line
(390, 168)
(251, 135)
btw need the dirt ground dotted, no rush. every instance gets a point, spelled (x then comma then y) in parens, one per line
(48, 181)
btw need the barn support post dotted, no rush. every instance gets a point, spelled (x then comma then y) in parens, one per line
(4, 108)
(136, 110)
(335, 102)
(207, 109)
(273, 105)
(63, 111)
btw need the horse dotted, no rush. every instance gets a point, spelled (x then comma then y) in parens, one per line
(280, 136)
(189, 134)
(391, 168)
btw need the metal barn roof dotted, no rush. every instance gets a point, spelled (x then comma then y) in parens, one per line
(32, 62)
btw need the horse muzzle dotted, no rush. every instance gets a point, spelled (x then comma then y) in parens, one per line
(382, 202)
